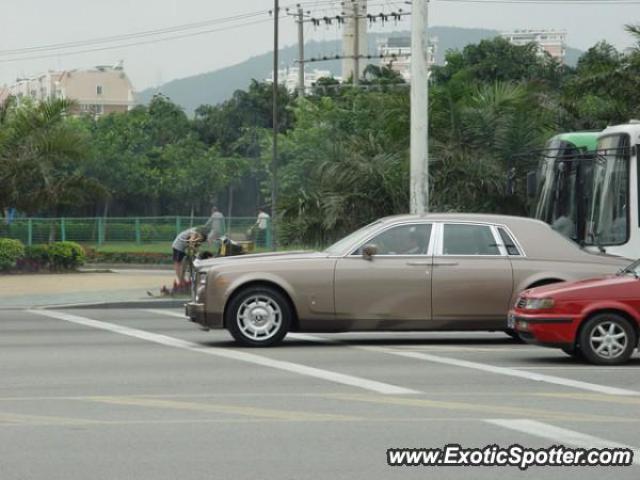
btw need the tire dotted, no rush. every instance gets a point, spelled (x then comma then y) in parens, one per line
(607, 339)
(258, 317)
(514, 335)
(573, 352)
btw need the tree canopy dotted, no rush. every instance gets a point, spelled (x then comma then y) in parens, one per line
(344, 151)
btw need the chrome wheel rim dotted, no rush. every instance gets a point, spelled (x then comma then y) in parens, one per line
(259, 317)
(608, 340)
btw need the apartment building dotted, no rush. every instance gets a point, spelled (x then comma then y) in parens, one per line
(97, 91)
(4, 95)
(553, 42)
(395, 53)
(289, 78)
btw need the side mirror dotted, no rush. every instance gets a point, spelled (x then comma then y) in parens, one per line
(368, 251)
(532, 184)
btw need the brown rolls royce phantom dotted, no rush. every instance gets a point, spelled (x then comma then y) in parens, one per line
(402, 273)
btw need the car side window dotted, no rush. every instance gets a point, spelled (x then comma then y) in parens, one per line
(509, 244)
(410, 239)
(467, 239)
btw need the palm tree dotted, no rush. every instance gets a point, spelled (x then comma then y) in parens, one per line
(41, 151)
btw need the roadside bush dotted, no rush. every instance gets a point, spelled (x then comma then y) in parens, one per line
(147, 232)
(148, 258)
(35, 258)
(10, 252)
(65, 255)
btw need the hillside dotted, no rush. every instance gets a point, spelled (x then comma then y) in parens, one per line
(217, 86)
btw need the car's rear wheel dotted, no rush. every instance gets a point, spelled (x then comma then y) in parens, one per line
(258, 317)
(608, 339)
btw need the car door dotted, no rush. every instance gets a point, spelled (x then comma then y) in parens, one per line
(392, 290)
(472, 277)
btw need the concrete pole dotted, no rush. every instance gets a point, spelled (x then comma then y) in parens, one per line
(300, 51)
(274, 159)
(356, 44)
(419, 184)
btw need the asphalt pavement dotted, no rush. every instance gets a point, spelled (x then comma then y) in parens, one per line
(144, 394)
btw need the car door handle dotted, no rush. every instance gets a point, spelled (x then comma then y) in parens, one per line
(419, 264)
(445, 264)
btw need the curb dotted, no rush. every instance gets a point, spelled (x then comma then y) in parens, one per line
(128, 266)
(169, 303)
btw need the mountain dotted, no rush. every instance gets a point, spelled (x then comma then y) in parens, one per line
(215, 87)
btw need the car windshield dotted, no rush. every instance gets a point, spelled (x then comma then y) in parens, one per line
(609, 214)
(561, 171)
(339, 247)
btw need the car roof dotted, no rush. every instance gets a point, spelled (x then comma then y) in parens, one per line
(537, 238)
(471, 217)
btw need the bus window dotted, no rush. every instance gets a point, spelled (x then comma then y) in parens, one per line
(610, 212)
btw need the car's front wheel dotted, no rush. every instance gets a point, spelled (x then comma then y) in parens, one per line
(258, 316)
(608, 339)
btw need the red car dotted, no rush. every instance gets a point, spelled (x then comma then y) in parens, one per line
(596, 319)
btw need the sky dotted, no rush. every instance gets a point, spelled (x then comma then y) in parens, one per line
(34, 23)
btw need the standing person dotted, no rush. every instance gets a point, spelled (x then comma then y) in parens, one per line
(195, 236)
(216, 225)
(262, 223)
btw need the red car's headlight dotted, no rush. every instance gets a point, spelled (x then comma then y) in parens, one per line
(538, 303)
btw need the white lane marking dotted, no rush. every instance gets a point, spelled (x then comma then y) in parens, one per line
(538, 377)
(561, 435)
(335, 377)
(168, 313)
(512, 372)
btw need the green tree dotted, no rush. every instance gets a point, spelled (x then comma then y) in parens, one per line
(605, 89)
(42, 154)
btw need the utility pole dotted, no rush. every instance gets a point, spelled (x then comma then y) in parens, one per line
(274, 159)
(300, 51)
(419, 185)
(356, 44)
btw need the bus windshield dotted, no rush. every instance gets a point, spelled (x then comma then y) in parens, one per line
(563, 171)
(609, 223)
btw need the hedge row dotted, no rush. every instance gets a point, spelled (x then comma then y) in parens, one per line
(10, 252)
(94, 256)
(88, 231)
(54, 256)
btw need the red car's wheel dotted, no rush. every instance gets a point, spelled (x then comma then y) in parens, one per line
(607, 339)
(574, 352)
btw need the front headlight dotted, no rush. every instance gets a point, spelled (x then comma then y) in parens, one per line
(538, 303)
(202, 278)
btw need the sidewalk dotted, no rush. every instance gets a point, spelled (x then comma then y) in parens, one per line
(37, 290)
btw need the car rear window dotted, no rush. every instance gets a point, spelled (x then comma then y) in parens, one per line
(467, 239)
(509, 244)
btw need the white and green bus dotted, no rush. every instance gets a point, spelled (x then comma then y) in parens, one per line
(614, 215)
(588, 188)
(564, 182)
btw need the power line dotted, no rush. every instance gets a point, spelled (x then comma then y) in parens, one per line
(79, 46)
(133, 44)
(129, 36)
(548, 2)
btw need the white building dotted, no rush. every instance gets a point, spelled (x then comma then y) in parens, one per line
(101, 90)
(553, 42)
(289, 78)
(4, 95)
(395, 52)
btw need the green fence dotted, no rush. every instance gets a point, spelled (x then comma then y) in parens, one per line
(139, 230)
